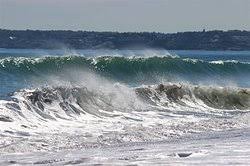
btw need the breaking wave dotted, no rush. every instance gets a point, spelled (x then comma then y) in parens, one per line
(79, 96)
(122, 65)
(51, 103)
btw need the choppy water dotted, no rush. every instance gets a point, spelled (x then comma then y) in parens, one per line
(65, 102)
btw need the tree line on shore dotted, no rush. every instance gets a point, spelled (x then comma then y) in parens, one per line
(56, 39)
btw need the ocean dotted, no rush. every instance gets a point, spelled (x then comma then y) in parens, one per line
(124, 107)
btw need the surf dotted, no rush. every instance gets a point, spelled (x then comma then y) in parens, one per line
(76, 101)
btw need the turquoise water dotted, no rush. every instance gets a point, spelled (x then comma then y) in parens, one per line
(27, 68)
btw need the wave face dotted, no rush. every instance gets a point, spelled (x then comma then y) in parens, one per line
(115, 99)
(124, 65)
(133, 70)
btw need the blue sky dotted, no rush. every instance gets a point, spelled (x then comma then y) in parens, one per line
(125, 15)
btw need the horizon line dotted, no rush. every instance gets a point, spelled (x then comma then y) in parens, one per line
(203, 30)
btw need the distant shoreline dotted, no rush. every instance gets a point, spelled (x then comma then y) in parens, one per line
(234, 40)
(139, 49)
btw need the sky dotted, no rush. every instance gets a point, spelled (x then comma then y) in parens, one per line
(125, 15)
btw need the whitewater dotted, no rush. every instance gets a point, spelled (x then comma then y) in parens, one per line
(124, 107)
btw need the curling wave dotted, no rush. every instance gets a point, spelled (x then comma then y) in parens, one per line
(64, 102)
(214, 97)
(117, 113)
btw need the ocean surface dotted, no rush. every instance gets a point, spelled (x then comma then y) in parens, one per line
(124, 107)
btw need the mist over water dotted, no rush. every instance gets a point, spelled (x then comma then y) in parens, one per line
(95, 98)
(134, 67)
